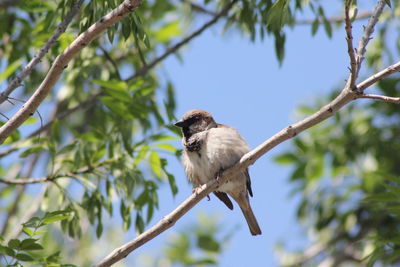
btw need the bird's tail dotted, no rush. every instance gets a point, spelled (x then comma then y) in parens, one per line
(244, 205)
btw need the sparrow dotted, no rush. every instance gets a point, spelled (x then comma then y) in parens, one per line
(209, 148)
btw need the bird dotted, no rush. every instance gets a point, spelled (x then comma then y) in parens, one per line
(208, 149)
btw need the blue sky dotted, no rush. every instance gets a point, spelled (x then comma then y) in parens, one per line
(242, 85)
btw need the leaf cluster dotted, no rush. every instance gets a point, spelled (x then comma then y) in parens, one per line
(346, 173)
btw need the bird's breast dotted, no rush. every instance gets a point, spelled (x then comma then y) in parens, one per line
(220, 148)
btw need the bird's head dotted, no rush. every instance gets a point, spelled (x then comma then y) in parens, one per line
(195, 121)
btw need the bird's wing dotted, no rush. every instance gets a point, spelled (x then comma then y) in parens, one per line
(224, 198)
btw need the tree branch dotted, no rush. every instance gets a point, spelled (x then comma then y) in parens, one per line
(62, 26)
(334, 19)
(111, 60)
(52, 177)
(33, 208)
(61, 62)
(20, 191)
(350, 48)
(389, 99)
(174, 48)
(378, 76)
(368, 30)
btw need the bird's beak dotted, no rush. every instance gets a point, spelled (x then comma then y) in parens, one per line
(180, 123)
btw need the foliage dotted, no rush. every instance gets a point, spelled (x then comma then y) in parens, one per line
(346, 172)
(102, 150)
(198, 244)
(17, 251)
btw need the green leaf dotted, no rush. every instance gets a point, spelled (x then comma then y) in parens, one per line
(10, 70)
(139, 223)
(314, 26)
(286, 158)
(14, 243)
(142, 199)
(31, 150)
(278, 15)
(55, 257)
(6, 250)
(31, 246)
(115, 88)
(24, 257)
(155, 164)
(382, 197)
(172, 184)
(388, 3)
(99, 229)
(27, 242)
(315, 168)
(328, 27)
(167, 147)
(207, 243)
(31, 120)
(32, 222)
(280, 39)
(168, 31)
(115, 106)
(55, 218)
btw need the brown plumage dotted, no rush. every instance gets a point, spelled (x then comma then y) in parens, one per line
(210, 147)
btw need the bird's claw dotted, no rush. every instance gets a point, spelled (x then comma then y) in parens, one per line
(196, 190)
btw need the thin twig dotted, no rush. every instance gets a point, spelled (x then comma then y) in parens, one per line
(378, 76)
(368, 30)
(62, 26)
(112, 61)
(140, 52)
(389, 99)
(197, 8)
(52, 178)
(350, 49)
(174, 48)
(19, 194)
(33, 208)
(334, 19)
(61, 63)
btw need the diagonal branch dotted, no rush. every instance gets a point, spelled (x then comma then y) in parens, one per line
(61, 62)
(62, 26)
(345, 97)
